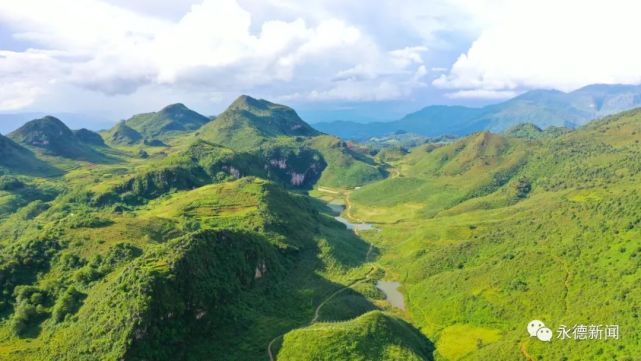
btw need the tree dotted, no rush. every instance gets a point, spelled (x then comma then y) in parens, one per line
(67, 304)
(523, 187)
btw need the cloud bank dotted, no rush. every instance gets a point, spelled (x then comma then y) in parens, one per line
(564, 45)
(216, 46)
(108, 54)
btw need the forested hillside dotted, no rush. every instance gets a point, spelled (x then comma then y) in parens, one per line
(194, 248)
(253, 236)
(492, 231)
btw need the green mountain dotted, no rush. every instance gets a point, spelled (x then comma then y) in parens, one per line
(372, 336)
(204, 249)
(17, 159)
(249, 123)
(89, 137)
(172, 119)
(200, 272)
(276, 133)
(543, 108)
(524, 130)
(53, 137)
(492, 231)
(122, 134)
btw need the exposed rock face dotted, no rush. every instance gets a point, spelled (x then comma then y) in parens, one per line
(280, 163)
(297, 179)
(261, 269)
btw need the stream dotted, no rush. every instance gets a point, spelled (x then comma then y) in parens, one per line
(392, 294)
(389, 288)
(338, 209)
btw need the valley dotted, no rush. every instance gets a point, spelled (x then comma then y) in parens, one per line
(253, 236)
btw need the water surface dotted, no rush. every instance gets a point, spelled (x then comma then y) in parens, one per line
(392, 294)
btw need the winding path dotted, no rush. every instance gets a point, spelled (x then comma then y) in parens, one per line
(523, 349)
(318, 309)
(348, 207)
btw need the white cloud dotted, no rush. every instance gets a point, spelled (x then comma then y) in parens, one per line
(549, 44)
(217, 46)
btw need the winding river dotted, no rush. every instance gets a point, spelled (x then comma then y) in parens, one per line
(392, 294)
(338, 209)
(389, 288)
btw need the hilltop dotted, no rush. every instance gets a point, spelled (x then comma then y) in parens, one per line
(247, 123)
(122, 134)
(171, 120)
(51, 136)
(372, 336)
(89, 137)
(291, 147)
(493, 229)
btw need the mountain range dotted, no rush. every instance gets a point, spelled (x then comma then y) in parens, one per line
(257, 237)
(543, 108)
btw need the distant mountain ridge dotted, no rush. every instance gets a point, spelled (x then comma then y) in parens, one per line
(248, 122)
(543, 108)
(50, 135)
(122, 134)
(171, 119)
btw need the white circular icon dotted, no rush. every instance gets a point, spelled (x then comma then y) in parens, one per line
(534, 326)
(544, 334)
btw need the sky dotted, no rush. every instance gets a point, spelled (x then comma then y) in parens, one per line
(329, 59)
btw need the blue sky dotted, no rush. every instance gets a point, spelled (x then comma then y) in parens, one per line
(331, 59)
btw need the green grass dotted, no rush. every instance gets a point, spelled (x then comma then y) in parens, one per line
(169, 121)
(156, 258)
(372, 336)
(477, 259)
(306, 255)
(456, 341)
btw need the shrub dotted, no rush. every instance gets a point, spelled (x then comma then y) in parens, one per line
(523, 187)
(30, 308)
(67, 304)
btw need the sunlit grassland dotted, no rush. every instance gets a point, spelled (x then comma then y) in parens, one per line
(477, 263)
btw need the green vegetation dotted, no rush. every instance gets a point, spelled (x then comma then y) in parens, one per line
(171, 120)
(51, 136)
(372, 336)
(348, 166)
(491, 231)
(180, 250)
(122, 134)
(213, 243)
(15, 158)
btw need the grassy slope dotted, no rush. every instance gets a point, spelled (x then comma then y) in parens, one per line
(307, 255)
(372, 336)
(346, 168)
(477, 261)
(52, 137)
(17, 159)
(258, 126)
(171, 120)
